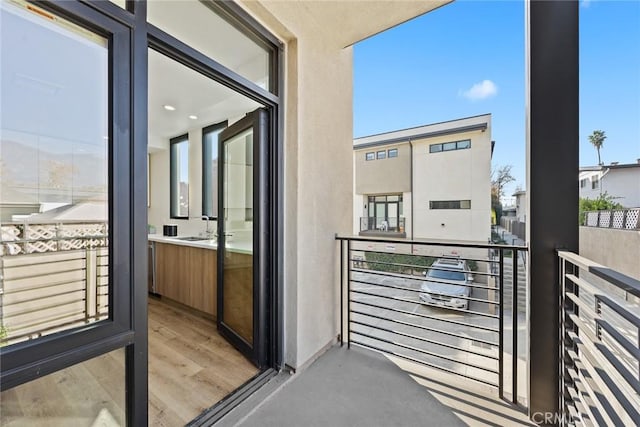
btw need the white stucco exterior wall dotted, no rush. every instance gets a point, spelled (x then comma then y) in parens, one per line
(621, 183)
(453, 175)
(318, 173)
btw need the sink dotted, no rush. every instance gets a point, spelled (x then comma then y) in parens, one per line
(193, 238)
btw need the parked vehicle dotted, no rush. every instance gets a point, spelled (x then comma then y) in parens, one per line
(446, 284)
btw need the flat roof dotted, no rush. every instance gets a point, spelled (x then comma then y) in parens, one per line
(450, 127)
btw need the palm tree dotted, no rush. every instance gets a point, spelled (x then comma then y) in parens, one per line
(597, 139)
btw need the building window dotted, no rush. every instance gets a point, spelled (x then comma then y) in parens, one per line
(450, 146)
(370, 156)
(595, 182)
(384, 213)
(392, 152)
(179, 180)
(450, 204)
(210, 169)
(381, 155)
(583, 183)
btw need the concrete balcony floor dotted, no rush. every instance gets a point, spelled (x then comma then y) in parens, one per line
(358, 387)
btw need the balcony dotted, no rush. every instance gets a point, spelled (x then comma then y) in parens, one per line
(382, 227)
(403, 362)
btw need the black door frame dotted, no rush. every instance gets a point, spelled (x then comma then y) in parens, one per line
(29, 360)
(256, 351)
(127, 326)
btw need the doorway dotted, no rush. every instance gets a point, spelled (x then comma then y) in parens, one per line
(207, 327)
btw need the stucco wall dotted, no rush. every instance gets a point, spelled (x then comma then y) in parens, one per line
(453, 175)
(383, 176)
(616, 249)
(318, 161)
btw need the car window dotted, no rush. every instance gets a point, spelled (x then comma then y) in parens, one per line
(446, 275)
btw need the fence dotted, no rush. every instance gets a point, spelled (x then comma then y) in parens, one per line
(515, 227)
(53, 276)
(622, 219)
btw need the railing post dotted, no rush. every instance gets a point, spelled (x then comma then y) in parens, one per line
(501, 325)
(341, 292)
(348, 293)
(514, 325)
(90, 281)
(561, 361)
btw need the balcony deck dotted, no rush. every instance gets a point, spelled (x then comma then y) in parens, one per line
(358, 387)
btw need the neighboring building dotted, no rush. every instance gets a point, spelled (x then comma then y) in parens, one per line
(431, 181)
(619, 181)
(521, 205)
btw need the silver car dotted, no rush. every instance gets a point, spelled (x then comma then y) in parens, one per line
(446, 284)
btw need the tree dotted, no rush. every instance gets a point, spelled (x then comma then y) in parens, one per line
(603, 202)
(499, 179)
(597, 139)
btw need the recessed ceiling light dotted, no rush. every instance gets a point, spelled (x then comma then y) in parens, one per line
(193, 117)
(169, 107)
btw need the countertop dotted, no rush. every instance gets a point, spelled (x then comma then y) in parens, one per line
(237, 247)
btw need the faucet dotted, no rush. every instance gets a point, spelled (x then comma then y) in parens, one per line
(207, 231)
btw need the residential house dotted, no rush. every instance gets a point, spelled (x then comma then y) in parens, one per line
(426, 182)
(620, 181)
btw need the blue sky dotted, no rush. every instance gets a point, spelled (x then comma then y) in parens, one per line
(467, 58)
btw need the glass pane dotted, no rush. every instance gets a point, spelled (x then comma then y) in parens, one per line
(91, 393)
(464, 144)
(449, 146)
(393, 198)
(238, 260)
(382, 154)
(54, 151)
(393, 152)
(179, 178)
(435, 148)
(121, 3)
(370, 156)
(195, 24)
(210, 170)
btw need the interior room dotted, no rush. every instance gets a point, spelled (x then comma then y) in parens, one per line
(191, 365)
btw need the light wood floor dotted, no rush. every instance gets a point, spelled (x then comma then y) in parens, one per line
(191, 367)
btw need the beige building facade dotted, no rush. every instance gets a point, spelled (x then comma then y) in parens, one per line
(428, 182)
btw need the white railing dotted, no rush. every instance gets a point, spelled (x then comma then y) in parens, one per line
(53, 276)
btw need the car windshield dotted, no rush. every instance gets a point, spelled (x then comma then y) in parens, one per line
(447, 275)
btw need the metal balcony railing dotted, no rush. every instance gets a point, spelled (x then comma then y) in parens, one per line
(53, 276)
(600, 344)
(390, 224)
(475, 330)
(621, 219)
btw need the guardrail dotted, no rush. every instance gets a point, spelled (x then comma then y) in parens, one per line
(600, 344)
(386, 307)
(53, 276)
(394, 224)
(621, 219)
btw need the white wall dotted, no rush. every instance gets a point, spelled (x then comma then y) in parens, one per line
(453, 175)
(621, 183)
(318, 162)
(521, 207)
(616, 249)
(159, 188)
(624, 185)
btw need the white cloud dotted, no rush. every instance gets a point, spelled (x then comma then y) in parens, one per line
(585, 3)
(483, 90)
